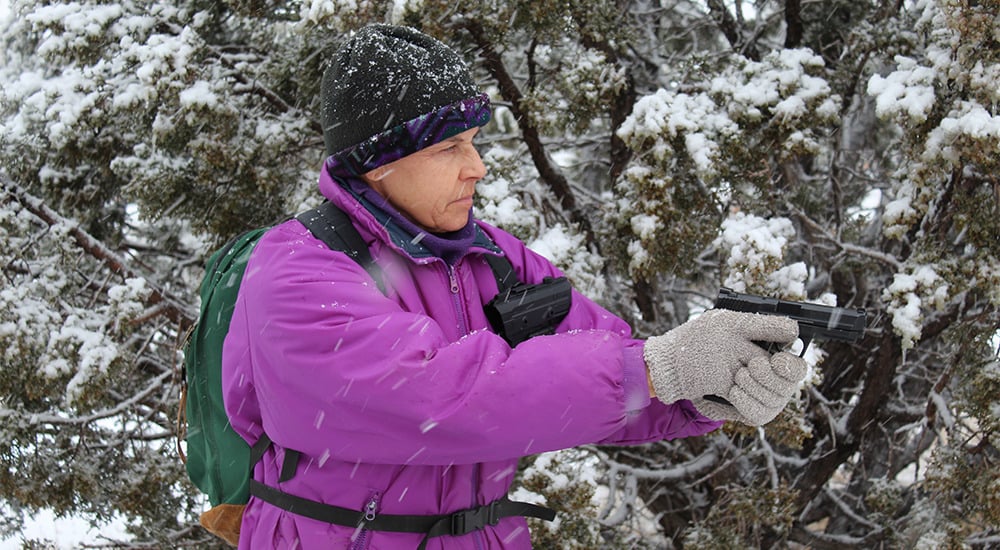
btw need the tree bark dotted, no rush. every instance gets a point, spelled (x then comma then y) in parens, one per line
(731, 30)
(793, 23)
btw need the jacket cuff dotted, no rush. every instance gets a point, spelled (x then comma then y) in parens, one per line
(635, 381)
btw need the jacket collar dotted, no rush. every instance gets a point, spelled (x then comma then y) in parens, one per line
(384, 226)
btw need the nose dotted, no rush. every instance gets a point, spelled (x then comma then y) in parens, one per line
(474, 168)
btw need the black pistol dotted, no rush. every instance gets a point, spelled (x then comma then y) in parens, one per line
(815, 321)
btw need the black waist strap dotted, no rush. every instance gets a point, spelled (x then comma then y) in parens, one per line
(458, 523)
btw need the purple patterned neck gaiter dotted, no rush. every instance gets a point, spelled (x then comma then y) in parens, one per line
(448, 246)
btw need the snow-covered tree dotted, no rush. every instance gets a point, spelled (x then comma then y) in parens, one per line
(841, 152)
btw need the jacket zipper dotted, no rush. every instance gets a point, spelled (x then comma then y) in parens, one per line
(463, 325)
(362, 532)
(456, 300)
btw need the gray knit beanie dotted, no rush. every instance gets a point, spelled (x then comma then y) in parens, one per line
(386, 77)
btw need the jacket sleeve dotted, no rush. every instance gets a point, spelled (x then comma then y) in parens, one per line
(330, 366)
(647, 419)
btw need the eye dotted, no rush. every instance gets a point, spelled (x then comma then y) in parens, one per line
(448, 148)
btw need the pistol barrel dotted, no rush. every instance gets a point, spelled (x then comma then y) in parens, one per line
(815, 320)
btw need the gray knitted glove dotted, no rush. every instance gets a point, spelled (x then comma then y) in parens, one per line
(715, 355)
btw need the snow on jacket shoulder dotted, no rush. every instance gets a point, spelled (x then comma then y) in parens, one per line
(406, 401)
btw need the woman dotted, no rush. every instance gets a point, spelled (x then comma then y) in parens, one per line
(406, 412)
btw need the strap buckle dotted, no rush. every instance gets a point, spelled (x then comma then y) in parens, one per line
(467, 521)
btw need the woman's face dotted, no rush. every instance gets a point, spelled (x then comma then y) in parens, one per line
(434, 186)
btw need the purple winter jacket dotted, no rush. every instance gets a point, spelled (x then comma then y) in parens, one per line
(408, 402)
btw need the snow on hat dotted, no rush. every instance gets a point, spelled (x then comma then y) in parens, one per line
(391, 91)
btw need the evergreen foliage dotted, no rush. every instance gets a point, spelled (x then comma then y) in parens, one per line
(843, 152)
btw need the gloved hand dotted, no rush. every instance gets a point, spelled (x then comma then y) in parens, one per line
(714, 354)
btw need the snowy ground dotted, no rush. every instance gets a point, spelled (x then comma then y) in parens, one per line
(65, 533)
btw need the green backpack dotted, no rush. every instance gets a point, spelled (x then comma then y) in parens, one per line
(218, 460)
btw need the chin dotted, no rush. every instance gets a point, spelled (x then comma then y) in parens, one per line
(456, 224)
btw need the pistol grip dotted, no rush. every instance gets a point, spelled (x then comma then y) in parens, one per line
(774, 347)
(717, 399)
(770, 347)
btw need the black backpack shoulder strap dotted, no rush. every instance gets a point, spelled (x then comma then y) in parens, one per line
(333, 226)
(503, 271)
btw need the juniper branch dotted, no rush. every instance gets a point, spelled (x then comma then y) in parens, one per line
(158, 300)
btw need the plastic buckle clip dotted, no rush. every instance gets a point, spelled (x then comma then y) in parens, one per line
(467, 521)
